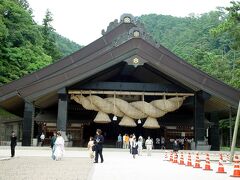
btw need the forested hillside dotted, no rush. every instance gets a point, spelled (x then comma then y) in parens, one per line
(195, 40)
(209, 41)
(65, 45)
(24, 45)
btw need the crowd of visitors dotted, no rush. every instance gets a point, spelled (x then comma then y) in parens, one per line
(95, 144)
(125, 142)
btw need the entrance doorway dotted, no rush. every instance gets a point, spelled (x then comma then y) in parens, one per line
(111, 131)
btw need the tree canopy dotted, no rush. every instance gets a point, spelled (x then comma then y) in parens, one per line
(210, 41)
(25, 46)
(191, 38)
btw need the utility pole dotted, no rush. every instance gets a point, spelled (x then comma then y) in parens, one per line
(230, 126)
(235, 133)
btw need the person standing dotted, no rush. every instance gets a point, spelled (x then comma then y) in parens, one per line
(140, 145)
(149, 145)
(130, 143)
(158, 143)
(53, 139)
(98, 143)
(42, 137)
(119, 141)
(175, 146)
(163, 142)
(124, 141)
(134, 147)
(90, 147)
(127, 141)
(13, 143)
(58, 147)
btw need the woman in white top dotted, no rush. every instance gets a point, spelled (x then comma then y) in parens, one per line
(130, 143)
(149, 145)
(140, 144)
(59, 147)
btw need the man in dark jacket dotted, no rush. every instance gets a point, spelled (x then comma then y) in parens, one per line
(13, 143)
(98, 143)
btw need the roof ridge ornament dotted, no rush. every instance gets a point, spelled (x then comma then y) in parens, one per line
(125, 18)
(139, 32)
(111, 26)
(134, 32)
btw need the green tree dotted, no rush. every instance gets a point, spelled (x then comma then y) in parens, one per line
(65, 45)
(21, 42)
(190, 38)
(25, 46)
(230, 27)
(49, 45)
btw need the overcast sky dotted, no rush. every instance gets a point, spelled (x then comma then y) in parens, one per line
(82, 21)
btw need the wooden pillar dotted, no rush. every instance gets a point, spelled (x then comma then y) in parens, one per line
(214, 132)
(28, 124)
(62, 112)
(199, 117)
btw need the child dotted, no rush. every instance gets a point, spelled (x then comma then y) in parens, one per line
(90, 149)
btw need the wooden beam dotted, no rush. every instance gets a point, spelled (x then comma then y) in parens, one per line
(130, 86)
(128, 93)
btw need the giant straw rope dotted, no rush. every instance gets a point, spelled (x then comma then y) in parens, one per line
(129, 111)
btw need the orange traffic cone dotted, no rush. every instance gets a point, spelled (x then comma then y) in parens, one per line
(175, 158)
(220, 165)
(181, 159)
(236, 171)
(171, 157)
(207, 164)
(189, 162)
(197, 162)
(166, 156)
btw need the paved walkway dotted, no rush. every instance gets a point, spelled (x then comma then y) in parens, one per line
(121, 166)
(35, 163)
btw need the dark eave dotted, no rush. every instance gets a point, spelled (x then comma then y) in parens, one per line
(159, 58)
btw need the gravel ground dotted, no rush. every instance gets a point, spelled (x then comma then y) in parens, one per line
(34, 163)
(34, 168)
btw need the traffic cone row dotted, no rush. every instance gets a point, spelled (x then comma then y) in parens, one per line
(207, 167)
